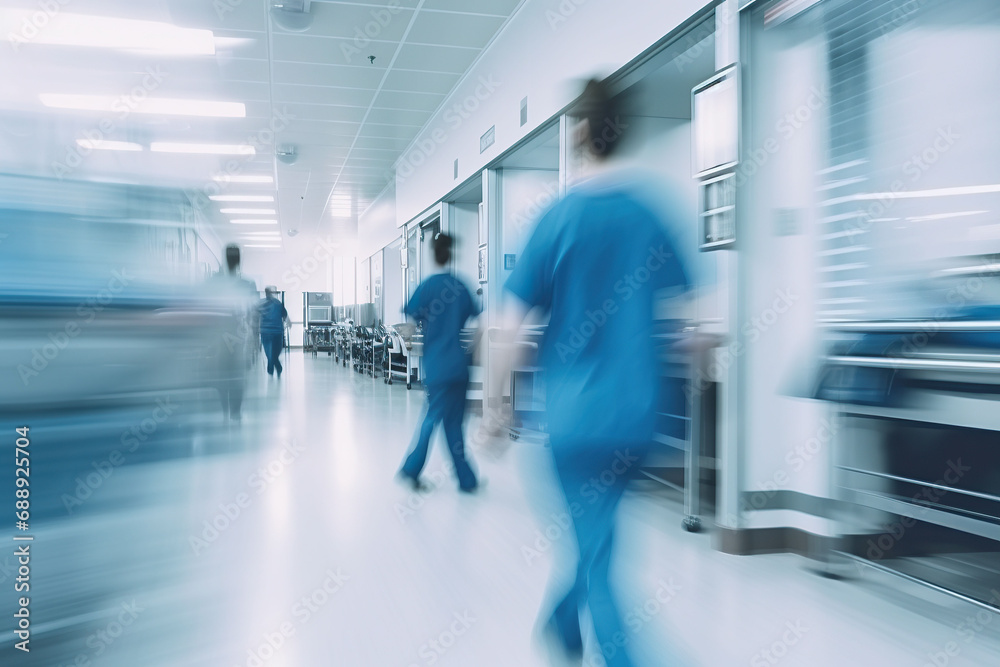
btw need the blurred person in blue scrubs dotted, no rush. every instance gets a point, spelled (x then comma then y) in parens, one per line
(596, 264)
(235, 299)
(273, 320)
(443, 304)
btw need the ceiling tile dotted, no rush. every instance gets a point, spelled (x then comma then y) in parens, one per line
(331, 51)
(420, 58)
(422, 82)
(392, 131)
(498, 7)
(391, 99)
(324, 112)
(328, 75)
(373, 142)
(414, 118)
(322, 95)
(356, 21)
(443, 29)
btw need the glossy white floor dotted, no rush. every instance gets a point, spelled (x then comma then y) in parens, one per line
(325, 560)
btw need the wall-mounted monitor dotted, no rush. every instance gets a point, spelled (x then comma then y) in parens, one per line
(715, 121)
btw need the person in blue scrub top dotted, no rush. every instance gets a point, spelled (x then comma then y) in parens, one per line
(443, 304)
(273, 318)
(595, 264)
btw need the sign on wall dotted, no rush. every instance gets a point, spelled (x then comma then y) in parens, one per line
(715, 124)
(483, 268)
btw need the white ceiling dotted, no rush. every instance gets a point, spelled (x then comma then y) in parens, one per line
(350, 119)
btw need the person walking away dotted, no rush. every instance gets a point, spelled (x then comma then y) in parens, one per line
(594, 264)
(443, 304)
(235, 298)
(273, 320)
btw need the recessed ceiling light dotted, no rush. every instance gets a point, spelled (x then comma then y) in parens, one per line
(254, 222)
(150, 105)
(243, 198)
(243, 178)
(107, 145)
(210, 149)
(249, 211)
(105, 32)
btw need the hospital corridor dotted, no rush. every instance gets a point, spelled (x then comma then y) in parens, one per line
(499, 333)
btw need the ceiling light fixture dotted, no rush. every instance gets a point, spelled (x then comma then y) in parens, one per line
(164, 106)
(292, 15)
(203, 149)
(243, 198)
(249, 211)
(254, 222)
(104, 32)
(243, 178)
(108, 145)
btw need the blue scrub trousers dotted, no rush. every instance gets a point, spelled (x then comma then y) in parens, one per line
(593, 480)
(273, 344)
(445, 404)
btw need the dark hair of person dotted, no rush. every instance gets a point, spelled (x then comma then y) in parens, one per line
(602, 111)
(442, 248)
(232, 256)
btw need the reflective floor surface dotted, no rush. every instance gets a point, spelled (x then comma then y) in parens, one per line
(285, 542)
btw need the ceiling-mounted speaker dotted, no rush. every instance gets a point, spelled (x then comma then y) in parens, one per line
(287, 153)
(292, 15)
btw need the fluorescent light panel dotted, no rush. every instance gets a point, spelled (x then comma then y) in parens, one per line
(107, 145)
(243, 198)
(151, 105)
(105, 32)
(249, 211)
(254, 222)
(243, 178)
(204, 149)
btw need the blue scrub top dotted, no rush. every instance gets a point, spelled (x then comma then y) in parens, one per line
(593, 264)
(443, 303)
(272, 316)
